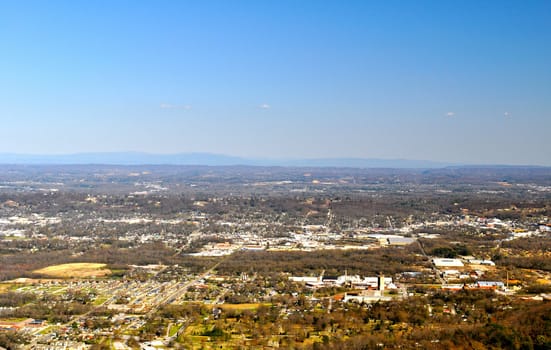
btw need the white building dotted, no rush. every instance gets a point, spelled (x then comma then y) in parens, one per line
(438, 262)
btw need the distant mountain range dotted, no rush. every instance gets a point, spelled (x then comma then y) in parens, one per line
(138, 158)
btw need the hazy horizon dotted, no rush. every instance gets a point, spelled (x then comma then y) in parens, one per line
(459, 82)
(218, 159)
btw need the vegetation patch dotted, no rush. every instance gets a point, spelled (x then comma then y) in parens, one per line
(100, 300)
(78, 270)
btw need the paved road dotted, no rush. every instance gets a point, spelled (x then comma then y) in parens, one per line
(434, 269)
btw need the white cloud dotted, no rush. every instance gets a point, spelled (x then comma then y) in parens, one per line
(507, 114)
(171, 106)
(264, 106)
(450, 114)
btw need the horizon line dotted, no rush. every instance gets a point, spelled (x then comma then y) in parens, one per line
(219, 159)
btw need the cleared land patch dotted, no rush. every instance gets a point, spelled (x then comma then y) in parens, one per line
(249, 306)
(78, 270)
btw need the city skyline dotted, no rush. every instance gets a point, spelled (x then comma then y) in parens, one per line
(451, 82)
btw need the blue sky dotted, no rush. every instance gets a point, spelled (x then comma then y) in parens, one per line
(459, 81)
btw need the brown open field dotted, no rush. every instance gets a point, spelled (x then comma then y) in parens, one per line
(5, 287)
(76, 270)
(252, 306)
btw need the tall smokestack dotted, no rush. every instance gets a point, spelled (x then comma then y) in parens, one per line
(381, 283)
